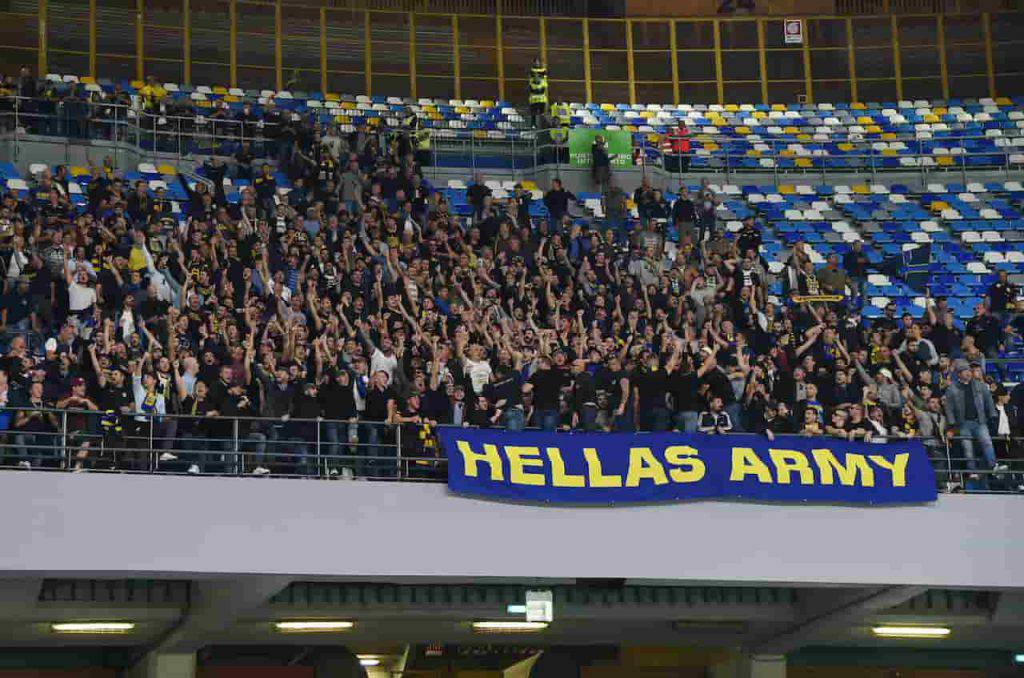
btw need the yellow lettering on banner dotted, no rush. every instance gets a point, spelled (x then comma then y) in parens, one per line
(596, 476)
(855, 465)
(519, 457)
(898, 467)
(788, 462)
(559, 478)
(643, 465)
(685, 456)
(489, 456)
(745, 462)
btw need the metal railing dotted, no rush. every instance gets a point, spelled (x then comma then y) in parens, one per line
(90, 440)
(175, 137)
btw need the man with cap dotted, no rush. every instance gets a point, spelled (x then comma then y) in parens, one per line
(968, 406)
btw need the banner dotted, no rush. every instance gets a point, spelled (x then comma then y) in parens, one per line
(619, 142)
(611, 468)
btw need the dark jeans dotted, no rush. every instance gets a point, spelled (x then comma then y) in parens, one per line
(654, 418)
(587, 418)
(547, 420)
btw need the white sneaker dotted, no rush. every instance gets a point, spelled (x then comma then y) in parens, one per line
(1001, 467)
(347, 474)
(261, 471)
(25, 464)
(194, 469)
(167, 456)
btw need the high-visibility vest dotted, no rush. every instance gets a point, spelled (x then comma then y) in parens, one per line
(423, 139)
(541, 72)
(539, 90)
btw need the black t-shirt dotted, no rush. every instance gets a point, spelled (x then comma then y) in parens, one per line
(683, 386)
(651, 387)
(1001, 294)
(377, 403)
(584, 390)
(547, 384)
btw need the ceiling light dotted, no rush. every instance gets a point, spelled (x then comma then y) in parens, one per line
(93, 627)
(313, 626)
(911, 631)
(508, 626)
(1018, 658)
(516, 609)
(369, 661)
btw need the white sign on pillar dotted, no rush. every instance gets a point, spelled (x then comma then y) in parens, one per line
(540, 606)
(794, 31)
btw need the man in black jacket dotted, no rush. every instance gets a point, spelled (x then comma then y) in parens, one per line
(557, 201)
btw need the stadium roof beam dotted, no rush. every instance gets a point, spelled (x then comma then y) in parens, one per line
(218, 605)
(848, 608)
(19, 595)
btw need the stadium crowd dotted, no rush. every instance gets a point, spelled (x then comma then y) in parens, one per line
(358, 297)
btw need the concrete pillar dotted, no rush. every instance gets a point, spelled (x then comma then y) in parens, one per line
(743, 665)
(165, 665)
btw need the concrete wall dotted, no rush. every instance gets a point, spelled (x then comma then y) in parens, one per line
(97, 524)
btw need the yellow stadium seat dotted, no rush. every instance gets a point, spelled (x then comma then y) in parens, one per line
(787, 153)
(646, 115)
(743, 129)
(79, 171)
(166, 169)
(529, 184)
(348, 106)
(629, 128)
(753, 153)
(939, 205)
(930, 118)
(803, 162)
(943, 161)
(865, 120)
(1003, 101)
(87, 80)
(487, 103)
(138, 83)
(889, 136)
(890, 152)
(786, 189)
(607, 107)
(873, 129)
(861, 189)
(779, 107)
(857, 106)
(330, 96)
(710, 146)
(732, 108)
(220, 89)
(940, 110)
(653, 138)
(760, 115)
(231, 98)
(790, 129)
(342, 119)
(479, 134)
(845, 147)
(804, 136)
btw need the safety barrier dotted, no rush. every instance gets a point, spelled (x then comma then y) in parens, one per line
(96, 441)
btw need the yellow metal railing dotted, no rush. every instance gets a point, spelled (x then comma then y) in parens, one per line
(257, 44)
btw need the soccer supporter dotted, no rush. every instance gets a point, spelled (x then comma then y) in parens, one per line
(359, 298)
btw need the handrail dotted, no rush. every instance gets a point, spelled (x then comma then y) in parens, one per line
(312, 448)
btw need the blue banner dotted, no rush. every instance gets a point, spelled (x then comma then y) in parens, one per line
(611, 468)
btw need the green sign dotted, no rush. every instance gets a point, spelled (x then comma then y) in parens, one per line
(619, 142)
